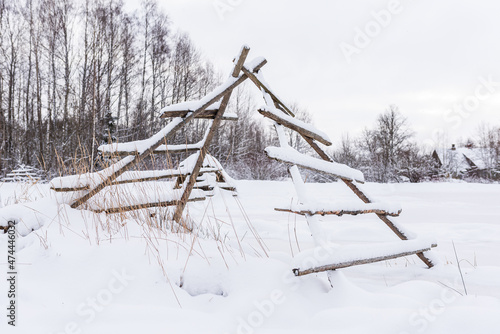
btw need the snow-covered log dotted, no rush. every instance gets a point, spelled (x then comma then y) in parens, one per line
(291, 156)
(339, 209)
(84, 181)
(336, 258)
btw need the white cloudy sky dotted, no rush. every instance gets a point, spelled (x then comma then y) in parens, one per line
(427, 59)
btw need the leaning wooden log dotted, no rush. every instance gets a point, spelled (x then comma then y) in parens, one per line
(340, 212)
(333, 266)
(208, 139)
(292, 123)
(145, 206)
(240, 60)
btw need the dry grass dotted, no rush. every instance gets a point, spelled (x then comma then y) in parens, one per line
(163, 237)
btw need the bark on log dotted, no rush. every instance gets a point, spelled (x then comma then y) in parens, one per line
(340, 212)
(70, 189)
(299, 272)
(145, 206)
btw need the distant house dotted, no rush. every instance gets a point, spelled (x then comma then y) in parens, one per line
(460, 162)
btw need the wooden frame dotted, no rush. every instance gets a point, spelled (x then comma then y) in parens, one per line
(213, 107)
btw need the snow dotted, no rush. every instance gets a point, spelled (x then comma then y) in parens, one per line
(289, 155)
(29, 216)
(180, 147)
(250, 65)
(88, 272)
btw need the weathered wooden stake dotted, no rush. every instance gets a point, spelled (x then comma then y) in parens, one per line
(208, 139)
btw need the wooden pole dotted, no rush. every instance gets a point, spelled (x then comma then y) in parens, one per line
(339, 212)
(299, 272)
(203, 151)
(145, 205)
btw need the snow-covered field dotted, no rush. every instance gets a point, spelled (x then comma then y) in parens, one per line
(81, 272)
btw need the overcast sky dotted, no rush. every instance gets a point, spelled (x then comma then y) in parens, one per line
(347, 61)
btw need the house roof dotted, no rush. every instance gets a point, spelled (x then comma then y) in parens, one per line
(461, 158)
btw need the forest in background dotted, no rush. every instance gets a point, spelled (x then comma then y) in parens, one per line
(78, 74)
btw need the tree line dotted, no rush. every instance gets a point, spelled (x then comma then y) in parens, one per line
(387, 152)
(75, 74)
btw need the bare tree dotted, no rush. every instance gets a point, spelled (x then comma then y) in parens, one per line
(347, 152)
(489, 143)
(384, 146)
